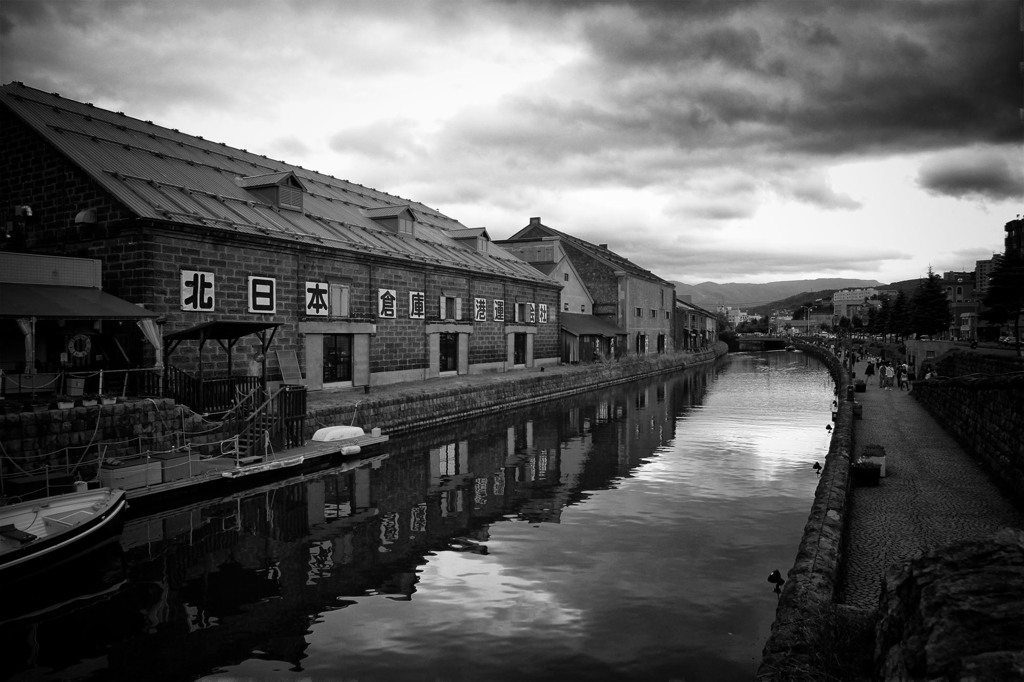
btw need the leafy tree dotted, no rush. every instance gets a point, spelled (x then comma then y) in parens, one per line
(930, 309)
(872, 320)
(857, 322)
(844, 322)
(1004, 300)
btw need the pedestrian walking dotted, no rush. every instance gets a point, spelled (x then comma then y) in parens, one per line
(869, 372)
(890, 376)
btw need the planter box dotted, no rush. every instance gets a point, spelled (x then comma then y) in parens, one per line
(865, 473)
(132, 474)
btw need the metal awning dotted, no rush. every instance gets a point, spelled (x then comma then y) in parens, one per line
(43, 301)
(578, 324)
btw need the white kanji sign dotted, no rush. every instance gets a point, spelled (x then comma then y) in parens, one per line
(480, 309)
(317, 299)
(533, 312)
(499, 310)
(543, 313)
(262, 295)
(417, 305)
(197, 290)
(387, 303)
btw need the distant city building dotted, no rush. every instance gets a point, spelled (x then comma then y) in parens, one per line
(959, 288)
(982, 271)
(850, 302)
(1014, 241)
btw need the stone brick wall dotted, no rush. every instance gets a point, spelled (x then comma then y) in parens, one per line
(960, 363)
(37, 175)
(986, 415)
(58, 438)
(402, 414)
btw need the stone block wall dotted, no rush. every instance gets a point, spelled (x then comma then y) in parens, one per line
(986, 415)
(403, 414)
(36, 175)
(962, 363)
(59, 439)
(812, 581)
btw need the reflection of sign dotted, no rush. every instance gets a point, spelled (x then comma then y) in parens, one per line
(386, 303)
(262, 295)
(499, 310)
(417, 305)
(480, 309)
(316, 299)
(79, 345)
(197, 290)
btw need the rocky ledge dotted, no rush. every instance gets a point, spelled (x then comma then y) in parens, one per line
(955, 613)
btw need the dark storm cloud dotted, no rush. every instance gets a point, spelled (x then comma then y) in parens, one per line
(980, 175)
(848, 78)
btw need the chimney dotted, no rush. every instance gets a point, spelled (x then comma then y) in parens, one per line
(535, 221)
(603, 246)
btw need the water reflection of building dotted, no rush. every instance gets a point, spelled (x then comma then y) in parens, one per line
(216, 582)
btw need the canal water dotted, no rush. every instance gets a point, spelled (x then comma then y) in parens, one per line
(625, 534)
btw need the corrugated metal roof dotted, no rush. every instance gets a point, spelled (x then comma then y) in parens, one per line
(163, 174)
(579, 324)
(609, 257)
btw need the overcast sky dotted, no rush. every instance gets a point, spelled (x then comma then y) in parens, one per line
(732, 141)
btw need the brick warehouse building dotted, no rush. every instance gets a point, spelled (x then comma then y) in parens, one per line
(361, 287)
(636, 305)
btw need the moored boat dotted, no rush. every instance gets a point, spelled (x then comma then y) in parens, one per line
(39, 533)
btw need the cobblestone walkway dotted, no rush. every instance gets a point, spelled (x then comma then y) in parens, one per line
(933, 494)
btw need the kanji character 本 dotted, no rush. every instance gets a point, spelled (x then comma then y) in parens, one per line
(196, 290)
(316, 298)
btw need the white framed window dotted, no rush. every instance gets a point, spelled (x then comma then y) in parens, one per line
(451, 308)
(340, 300)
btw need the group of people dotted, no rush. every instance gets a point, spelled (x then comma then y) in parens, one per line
(890, 374)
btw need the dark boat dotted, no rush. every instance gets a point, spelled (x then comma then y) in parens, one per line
(41, 533)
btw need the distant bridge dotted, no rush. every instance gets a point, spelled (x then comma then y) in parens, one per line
(756, 343)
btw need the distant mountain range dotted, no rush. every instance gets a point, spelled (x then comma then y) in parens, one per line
(710, 295)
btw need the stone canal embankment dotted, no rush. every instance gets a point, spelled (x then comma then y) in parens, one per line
(400, 408)
(814, 578)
